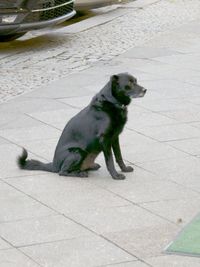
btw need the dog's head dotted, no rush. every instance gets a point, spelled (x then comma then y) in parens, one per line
(124, 87)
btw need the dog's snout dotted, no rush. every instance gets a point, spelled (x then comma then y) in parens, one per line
(144, 90)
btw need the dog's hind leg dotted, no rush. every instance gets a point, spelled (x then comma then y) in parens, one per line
(72, 163)
(74, 174)
(94, 167)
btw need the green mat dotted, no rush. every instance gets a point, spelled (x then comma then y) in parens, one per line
(188, 240)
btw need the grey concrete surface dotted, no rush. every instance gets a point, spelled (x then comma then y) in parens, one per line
(52, 221)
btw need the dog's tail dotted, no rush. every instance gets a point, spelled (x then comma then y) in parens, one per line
(32, 164)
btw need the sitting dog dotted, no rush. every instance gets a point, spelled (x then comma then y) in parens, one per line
(94, 129)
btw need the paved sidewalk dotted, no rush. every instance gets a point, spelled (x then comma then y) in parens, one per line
(52, 221)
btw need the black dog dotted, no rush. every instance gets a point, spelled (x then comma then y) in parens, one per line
(94, 129)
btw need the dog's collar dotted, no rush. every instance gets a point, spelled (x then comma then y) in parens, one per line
(116, 103)
(120, 106)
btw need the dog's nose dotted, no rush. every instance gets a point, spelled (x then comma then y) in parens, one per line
(144, 90)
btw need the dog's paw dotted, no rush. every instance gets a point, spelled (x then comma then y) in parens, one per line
(128, 169)
(94, 167)
(83, 174)
(119, 176)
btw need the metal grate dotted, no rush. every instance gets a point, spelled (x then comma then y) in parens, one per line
(49, 3)
(50, 14)
(59, 2)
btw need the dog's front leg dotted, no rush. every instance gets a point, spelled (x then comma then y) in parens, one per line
(118, 156)
(110, 162)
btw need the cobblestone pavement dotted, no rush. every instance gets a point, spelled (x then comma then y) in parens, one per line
(27, 64)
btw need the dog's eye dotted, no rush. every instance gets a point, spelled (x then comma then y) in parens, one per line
(132, 81)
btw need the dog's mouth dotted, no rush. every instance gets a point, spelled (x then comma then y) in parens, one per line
(140, 94)
(143, 92)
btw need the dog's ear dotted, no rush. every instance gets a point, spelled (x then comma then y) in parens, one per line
(114, 79)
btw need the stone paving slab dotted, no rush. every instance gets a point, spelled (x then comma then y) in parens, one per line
(189, 178)
(151, 190)
(13, 121)
(66, 195)
(128, 264)
(164, 133)
(59, 116)
(117, 219)
(12, 206)
(41, 230)
(177, 211)
(195, 124)
(191, 146)
(143, 52)
(43, 147)
(82, 251)
(30, 133)
(14, 258)
(154, 151)
(190, 114)
(4, 244)
(3, 141)
(62, 221)
(173, 261)
(24, 105)
(146, 242)
(10, 152)
(159, 105)
(172, 166)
